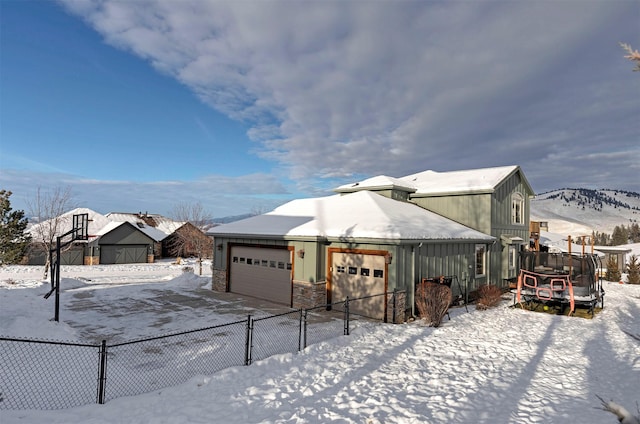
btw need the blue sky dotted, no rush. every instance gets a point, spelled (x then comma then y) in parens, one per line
(139, 106)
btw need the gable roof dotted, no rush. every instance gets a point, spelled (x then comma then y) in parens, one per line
(359, 215)
(150, 232)
(159, 222)
(483, 180)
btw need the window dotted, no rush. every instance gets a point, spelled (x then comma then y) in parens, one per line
(481, 253)
(280, 265)
(340, 269)
(512, 256)
(353, 270)
(364, 272)
(235, 259)
(517, 209)
(249, 261)
(378, 273)
(272, 264)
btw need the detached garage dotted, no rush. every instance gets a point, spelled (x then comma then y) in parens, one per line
(123, 243)
(262, 272)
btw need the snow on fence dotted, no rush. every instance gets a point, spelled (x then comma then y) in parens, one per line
(43, 374)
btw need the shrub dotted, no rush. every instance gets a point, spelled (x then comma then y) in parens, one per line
(432, 301)
(489, 296)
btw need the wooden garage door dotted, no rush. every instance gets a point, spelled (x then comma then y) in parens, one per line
(359, 275)
(123, 254)
(261, 272)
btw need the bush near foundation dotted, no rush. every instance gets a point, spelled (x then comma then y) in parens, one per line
(432, 301)
(489, 296)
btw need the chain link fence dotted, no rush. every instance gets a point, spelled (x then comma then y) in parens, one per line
(41, 374)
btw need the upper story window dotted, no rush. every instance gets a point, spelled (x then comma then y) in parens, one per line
(517, 208)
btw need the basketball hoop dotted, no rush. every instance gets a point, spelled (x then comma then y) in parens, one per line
(79, 231)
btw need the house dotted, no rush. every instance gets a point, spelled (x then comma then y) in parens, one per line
(46, 231)
(112, 238)
(379, 235)
(122, 243)
(179, 238)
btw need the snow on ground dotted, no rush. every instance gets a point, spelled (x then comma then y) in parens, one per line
(504, 365)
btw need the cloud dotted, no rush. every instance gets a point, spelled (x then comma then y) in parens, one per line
(220, 195)
(335, 89)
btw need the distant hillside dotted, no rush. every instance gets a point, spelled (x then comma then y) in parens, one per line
(579, 210)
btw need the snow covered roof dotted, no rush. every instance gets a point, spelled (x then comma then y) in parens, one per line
(483, 180)
(362, 215)
(466, 181)
(154, 233)
(559, 243)
(65, 223)
(380, 182)
(165, 225)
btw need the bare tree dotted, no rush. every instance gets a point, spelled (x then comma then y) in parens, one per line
(47, 208)
(191, 238)
(634, 55)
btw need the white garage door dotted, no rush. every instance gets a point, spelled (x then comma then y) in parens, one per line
(261, 272)
(359, 275)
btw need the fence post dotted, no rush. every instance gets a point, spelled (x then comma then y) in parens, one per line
(346, 316)
(304, 331)
(393, 319)
(102, 372)
(300, 331)
(247, 347)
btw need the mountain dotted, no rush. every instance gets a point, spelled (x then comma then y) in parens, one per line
(579, 211)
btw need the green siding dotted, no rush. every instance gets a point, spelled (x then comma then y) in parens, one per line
(472, 210)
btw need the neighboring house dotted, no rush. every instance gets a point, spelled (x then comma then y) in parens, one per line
(171, 230)
(379, 235)
(73, 254)
(187, 241)
(121, 243)
(110, 240)
(616, 253)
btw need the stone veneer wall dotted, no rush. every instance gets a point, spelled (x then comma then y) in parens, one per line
(219, 280)
(400, 302)
(308, 295)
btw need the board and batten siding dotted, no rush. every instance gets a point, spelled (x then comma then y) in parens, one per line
(415, 262)
(472, 210)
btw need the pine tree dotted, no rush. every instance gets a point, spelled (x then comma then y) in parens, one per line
(14, 241)
(619, 236)
(634, 233)
(633, 270)
(613, 273)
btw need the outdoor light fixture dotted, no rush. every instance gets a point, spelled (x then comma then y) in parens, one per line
(388, 258)
(301, 253)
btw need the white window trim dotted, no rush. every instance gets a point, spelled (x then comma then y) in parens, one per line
(517, 209)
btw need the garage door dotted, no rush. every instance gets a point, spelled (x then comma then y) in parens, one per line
(123, 254)
(359, 275)
(261, 272)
